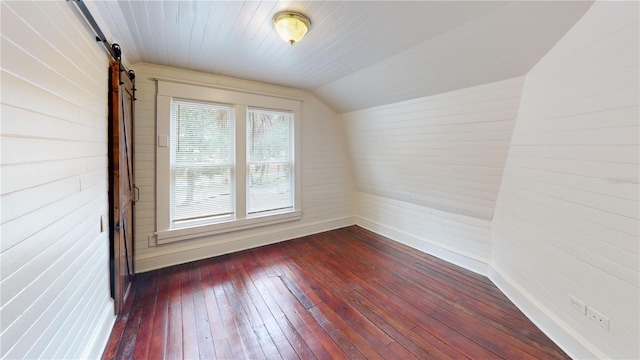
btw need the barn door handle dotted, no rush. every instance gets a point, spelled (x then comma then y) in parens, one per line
(136, 195)
(117, 226)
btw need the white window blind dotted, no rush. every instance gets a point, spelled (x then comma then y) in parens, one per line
(269, 161)
(201, 161)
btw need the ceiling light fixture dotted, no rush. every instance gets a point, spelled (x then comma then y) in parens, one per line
(291, 26)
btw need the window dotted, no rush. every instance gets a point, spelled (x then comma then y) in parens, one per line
(201, 162)
(226, 160)
(269, 161)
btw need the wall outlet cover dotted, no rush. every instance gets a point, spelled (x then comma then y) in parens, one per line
(593, 315)
(578, 304)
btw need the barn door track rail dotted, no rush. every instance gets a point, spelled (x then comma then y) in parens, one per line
(113, 49)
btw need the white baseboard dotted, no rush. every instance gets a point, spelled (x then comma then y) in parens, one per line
(466, 261)
(573, 344)
(187, 254)
(98, 341)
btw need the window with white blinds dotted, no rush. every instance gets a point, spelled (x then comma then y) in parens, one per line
(201, 161)
(226, 160)
(269, 161)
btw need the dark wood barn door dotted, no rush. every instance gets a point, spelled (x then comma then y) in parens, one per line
(121, 186)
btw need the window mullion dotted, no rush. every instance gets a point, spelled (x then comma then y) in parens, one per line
(240, 168)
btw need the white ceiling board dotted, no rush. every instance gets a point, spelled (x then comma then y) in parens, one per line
(357, 54)
(153, 9)
(499, 45)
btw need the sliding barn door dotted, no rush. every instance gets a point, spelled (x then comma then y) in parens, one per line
(121, 187)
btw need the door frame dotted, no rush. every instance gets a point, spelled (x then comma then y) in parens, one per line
(121, 242)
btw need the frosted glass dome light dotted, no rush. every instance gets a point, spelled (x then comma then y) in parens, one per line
(291, 26)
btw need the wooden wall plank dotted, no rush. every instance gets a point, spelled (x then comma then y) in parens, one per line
(567, 217)
(55, 282)
(442, 154)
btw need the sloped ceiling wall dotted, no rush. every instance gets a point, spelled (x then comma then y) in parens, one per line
(497, 45)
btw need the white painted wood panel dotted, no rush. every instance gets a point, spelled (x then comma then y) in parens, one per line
(567, 216)
(54, 256)
(357, 54)
(327, 186)
(441, 155)
(459, 239)
(500, 44)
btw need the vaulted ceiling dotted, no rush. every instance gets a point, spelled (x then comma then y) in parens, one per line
(358, 54)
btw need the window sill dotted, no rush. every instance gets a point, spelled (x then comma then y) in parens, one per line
(169, 236)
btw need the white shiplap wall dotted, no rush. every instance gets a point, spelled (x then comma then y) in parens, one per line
(54, 253)
(327, 186)
(567, 215)
(428, 170)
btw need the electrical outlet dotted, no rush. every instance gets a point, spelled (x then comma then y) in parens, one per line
(578, 304)
(593, 315)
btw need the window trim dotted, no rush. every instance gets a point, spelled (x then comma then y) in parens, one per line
(168, 89)
(187, 233)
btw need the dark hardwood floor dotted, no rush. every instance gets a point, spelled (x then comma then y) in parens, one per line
(342, 294)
